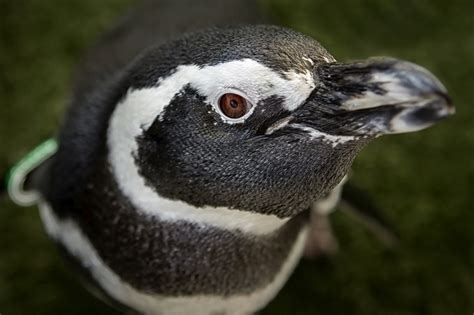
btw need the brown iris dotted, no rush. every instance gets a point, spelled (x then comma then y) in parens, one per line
(233, 105)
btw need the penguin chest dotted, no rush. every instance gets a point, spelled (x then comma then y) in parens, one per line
(160, 267)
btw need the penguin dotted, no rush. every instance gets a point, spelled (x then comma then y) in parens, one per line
(191, 158)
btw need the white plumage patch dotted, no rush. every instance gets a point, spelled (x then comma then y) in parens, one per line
(67, 233)
(309, 60)
(139, 108)
(333, 140)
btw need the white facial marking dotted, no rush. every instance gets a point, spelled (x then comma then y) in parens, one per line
(71, 237)
(254, 79)
(309, 60)
(333, 140)
(139, 109)
(329, 60)
(302, 84)
(278, 125)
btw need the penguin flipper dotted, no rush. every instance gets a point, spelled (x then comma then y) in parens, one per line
(321, 241)
(355, 202)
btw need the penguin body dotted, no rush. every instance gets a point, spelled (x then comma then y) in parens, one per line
(184, 176)
(169, 253)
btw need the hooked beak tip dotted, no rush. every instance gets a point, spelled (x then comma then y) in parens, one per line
(433, 109)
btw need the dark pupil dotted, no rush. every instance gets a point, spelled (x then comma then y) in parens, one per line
(234, 104)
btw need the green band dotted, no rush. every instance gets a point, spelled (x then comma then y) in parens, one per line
(17, 174)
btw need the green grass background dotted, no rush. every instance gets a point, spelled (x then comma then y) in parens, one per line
(424, 181)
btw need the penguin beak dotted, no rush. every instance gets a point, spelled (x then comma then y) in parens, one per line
(373, 97)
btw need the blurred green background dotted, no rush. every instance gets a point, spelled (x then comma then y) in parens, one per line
(423, 181)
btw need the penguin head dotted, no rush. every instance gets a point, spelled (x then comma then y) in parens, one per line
(259, 118)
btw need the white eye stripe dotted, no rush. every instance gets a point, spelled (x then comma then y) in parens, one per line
(256, 80)
(140, 107)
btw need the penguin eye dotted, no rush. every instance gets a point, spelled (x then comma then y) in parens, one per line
(233, 105)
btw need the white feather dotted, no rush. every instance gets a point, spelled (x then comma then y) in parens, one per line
(333, 140)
